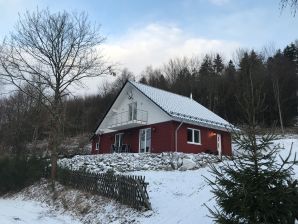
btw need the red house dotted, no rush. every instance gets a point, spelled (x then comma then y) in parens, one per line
(147, 119)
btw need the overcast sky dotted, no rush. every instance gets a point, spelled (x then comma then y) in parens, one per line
(149, 32)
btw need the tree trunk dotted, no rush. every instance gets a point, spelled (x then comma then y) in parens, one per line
(56, 134)
(277, 98)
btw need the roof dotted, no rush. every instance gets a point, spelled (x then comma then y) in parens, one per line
(182, 108)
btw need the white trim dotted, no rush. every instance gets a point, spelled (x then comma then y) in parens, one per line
(193, 143)
(193, 136)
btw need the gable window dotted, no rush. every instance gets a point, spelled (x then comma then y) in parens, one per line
(132, 111)
(193, 136)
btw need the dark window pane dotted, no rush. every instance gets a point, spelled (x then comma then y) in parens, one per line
(196, 136)
(189, 135)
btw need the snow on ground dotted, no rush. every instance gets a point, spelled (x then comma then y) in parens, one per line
(286, 143)
(176, 196)
(16, 211)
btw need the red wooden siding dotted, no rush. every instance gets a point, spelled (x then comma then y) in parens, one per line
(163, 139)
(208, 140)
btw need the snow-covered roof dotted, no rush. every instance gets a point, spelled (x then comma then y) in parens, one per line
(182, 108)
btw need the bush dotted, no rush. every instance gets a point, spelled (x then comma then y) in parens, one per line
(19, 172)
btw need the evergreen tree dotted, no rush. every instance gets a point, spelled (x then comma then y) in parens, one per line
(207, 84)
(255, 186)
(227, 100)
(218, 65)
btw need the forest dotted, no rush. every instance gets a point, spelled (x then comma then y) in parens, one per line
(215, 83)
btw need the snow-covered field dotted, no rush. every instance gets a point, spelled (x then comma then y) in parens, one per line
(176, 197)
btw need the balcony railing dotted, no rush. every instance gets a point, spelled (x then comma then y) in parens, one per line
(128, 119)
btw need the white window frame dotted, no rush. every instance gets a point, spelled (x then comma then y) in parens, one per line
(193, 136)
(120, 134)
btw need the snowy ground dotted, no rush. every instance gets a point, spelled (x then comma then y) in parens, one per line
(16, 211)
(176, 197)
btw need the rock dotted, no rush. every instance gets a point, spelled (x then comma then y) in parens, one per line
(129, 162)
(168, 168)
(189, 156)
(146, 167)
(179, 162)
(187, 164)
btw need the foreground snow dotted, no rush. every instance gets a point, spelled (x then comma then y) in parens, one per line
(176, 197)
(18, 211)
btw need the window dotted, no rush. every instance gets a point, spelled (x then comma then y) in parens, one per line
(97, 144)
(132, 111)
(119, 140)
(193, 136)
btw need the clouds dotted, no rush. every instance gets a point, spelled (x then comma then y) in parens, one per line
(155, 44)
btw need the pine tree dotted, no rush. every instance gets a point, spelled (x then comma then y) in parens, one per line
(218, 65)
(256, 185)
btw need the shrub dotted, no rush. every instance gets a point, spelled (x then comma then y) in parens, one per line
(19, 172)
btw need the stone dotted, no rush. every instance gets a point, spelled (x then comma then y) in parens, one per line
(187, 164)
(146, 167)
(179, 162)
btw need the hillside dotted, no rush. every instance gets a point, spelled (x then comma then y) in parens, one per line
(176, 197)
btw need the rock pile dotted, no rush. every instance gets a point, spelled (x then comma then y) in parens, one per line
(129, 162)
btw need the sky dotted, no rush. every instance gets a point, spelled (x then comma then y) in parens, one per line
(140, 33)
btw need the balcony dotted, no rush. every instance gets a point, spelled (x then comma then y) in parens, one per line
(128, 119)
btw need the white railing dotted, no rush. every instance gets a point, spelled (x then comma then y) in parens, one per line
(126, 117)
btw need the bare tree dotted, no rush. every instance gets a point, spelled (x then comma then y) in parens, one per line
(50, 52)
(276, 91)
(292, 3)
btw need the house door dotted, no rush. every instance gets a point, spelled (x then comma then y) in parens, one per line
(219, 148)
(145, 140)
(132, 111)
(118, 141)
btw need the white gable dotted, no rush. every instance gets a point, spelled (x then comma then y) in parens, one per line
(147, 110)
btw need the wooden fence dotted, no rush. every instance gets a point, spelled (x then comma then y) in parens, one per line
(129, 190)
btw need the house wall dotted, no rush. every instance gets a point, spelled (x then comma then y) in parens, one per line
(163, 139)
(208, 140)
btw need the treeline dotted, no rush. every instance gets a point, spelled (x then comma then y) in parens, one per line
(218, 85)
(222, 87)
